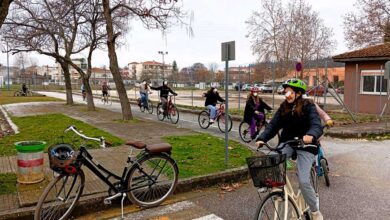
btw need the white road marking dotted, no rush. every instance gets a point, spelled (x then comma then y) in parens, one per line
(209, 217)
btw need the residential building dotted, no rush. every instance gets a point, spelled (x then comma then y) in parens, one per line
(149, 70)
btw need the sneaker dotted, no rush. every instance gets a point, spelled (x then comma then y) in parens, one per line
(317, 215)
(211, 120)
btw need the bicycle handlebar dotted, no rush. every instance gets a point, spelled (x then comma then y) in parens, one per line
(298, 142)
(74, 129)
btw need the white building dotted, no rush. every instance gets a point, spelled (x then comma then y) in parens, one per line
(149, 69)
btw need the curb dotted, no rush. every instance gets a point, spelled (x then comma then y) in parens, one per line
(94, 202)
(9, 121)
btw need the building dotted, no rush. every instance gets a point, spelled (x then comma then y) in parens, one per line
(365, 89)
(314, 76)
(149, 70)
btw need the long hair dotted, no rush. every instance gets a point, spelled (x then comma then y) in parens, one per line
(296, 107)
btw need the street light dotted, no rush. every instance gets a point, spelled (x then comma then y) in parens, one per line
(163, 53)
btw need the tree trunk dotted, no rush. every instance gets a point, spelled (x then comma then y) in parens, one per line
(68, 84)
(125, 104)
(4, 6)
(87, 86)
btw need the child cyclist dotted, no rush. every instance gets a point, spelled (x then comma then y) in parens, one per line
(254, 113)
(212, 97)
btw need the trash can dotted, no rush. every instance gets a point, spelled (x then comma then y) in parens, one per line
(30, 161)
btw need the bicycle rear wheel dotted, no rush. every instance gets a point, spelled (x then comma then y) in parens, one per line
(244, 131)
(174, 114)
(273, 207)
(160, 115)
(325, 171)
(150, 107)
(152, 180)
(204, 119)
(17, 93)
(60, 197)
(221, 122)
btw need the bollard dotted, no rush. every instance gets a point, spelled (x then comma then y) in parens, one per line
(30, 161)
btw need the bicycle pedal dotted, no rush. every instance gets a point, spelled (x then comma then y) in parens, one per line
(107, 202)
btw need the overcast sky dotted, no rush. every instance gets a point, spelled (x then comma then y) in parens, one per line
(215, 21)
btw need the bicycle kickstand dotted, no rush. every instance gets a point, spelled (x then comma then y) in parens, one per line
(123, 198)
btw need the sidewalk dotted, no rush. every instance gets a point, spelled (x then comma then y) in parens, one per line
(22, 204)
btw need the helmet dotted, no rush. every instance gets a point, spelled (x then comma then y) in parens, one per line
(296, 85)
(62, 159)
(254, 89)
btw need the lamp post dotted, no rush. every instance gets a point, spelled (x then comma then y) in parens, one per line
(163, 53)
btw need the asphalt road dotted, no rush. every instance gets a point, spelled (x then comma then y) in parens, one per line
(360, 189)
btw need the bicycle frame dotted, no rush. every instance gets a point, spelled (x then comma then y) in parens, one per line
(319, 156)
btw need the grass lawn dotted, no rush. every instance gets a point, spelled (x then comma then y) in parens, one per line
(7, 97)
(202, 154)
(7, 183)
(50, 128)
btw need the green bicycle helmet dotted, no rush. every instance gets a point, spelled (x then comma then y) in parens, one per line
(296, 85)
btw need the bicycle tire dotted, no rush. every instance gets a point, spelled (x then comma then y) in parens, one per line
(273, 207)
(142, 108)
(47, 207)
(150, 108)
(243, 130)
(17, 93)
(314, 178)
(221, 123)
(325, 171)
(29, 93)
(146, 192)
(174, 114)
(160, 115)
(204, 119)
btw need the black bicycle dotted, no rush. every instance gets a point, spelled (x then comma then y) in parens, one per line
(147, 179)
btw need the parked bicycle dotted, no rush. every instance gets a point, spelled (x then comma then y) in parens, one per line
(268, 173)
(142, 108)
(171, 112)
(204, 119)
(244, 130)
(106, 99)
(147, 179)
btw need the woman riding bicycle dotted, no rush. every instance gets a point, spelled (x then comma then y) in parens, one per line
(105, 89)
(254, 113)
(297, 117)
(164, 91)
(212, 97)
(144, 90)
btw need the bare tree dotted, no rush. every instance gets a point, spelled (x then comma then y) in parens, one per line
(370, 25)
(213, 68)
(155, 14)
(285, 33)
(4, 7)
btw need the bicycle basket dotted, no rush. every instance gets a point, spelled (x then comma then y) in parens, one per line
(62, 159)
(267, 170)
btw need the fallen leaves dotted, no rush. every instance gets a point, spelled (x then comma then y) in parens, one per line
(229, 187)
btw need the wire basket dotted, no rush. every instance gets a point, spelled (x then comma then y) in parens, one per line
(268, 170)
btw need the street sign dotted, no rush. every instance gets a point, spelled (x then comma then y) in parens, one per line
(387, 70)
(228, 51)
(298, 67)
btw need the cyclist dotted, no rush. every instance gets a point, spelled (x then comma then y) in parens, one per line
(212, 97)
(297, 117)
(83, 91)
(254, 113)
(105, 89)
(164, 91)
(24, 89)
(144, 91)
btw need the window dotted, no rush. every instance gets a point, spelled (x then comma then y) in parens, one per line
(373, 82)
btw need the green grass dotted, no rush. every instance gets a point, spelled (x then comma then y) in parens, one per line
(50, 128)
(202, 154)
(7, 97)
(7, 183)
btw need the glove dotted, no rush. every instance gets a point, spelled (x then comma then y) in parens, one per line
(330, 123)
(259, 144)
(257, 112)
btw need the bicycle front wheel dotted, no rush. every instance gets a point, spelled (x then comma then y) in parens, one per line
(244, 131)
(221, 123)
(17, 93)
(60, 197)
(325, 171)
(150, 107)
(152, 180)
(274, 207)
(174, 114)
(160, 115)
(204, 119)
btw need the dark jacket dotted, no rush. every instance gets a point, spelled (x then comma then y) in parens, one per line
(212, 98)
(295, 126)
(250, 109)
(164, 90)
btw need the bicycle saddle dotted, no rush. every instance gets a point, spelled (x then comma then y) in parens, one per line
(153, 148)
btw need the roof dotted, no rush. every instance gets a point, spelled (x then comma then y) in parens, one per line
(377, 52)
(152, 63)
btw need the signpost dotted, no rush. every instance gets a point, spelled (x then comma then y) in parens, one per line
(227, 53)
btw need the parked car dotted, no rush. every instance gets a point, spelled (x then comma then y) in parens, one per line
(264, 88)
(316, 91)
(246, 87)
(280, 90)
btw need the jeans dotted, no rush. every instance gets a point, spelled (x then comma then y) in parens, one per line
(164, 103)
(256, 119)
(213, 111)
(144, 99)
(304, 162)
